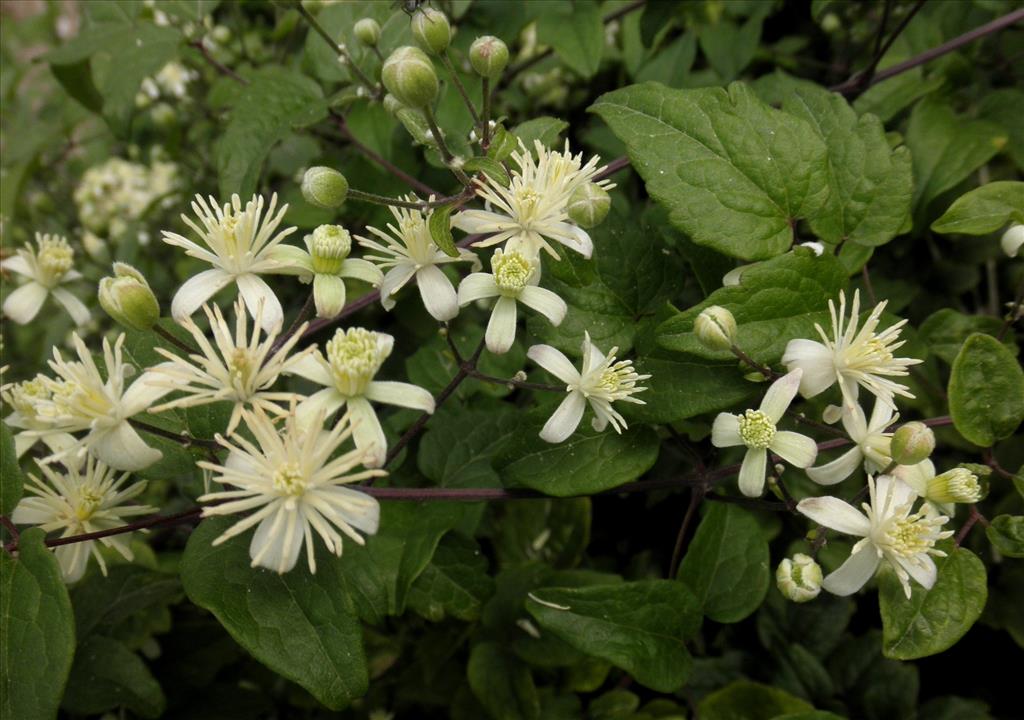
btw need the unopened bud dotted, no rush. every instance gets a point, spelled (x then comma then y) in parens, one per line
(409, 75)
(715, 328)
(329, 245)
(1012, 240)
(392, 104)
(367, 31)
(324, 187)
(799, 579)
(488, 55)
(912, 443)
(128, 299)
(431, 30)
(958, 485)
(588, 205)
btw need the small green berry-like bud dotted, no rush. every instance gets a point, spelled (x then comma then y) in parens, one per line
(431, 29)
(799, 579)
(367, 31)
(324, 187)
(409, 75)
(958, 485)
(588, 205)
(715, 328)
(912, 443)
(128, 299)
(488, 55)
(1013, 240)
(329, 245)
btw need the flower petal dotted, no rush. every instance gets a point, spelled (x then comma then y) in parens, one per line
(481, 221)
(24, 304)
(836, 514)
(278, 541)
(815, 360)
(121, 448)
(367, 433)
(196, 291)
(564, 421)
(545, 302)
(394, 280)
(838, 470)
(144, 392)
(323, 403)
(751, 479)
(328, 295)
(796, 449)
(501, 328)
(781, 393)
(555, 362)
(572, 236)
(437, 293)
(313, 367)
(477, 286)
(401, 394)
(289, 260)
(255, 292)
(75, 307)
(362, 270)
(916, 476)
(853, 574)
(920, 567)
(725, 431)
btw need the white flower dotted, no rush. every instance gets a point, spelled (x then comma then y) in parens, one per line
(115, 193)
(353, 358)
(534, 208)
(889, 531)
(1012, 240)
(238, 244)
(237, 368)
(408, 252)
(514, 279)
(756, 429)
(293, 484)
(872, 445)
(80, 503)
(46, 270)
(324, 263)
(600, 382)
(851, 358)
(958, 485)
(81, 400)
(25, 399)
(173, 79)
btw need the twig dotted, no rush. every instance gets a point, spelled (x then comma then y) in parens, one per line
(405, 177)
(516, 383)
(862, 80)
(442, 146)
(338, 49)
(218, 65)
(169, 337)
(696, 496)
(972, 519)
(447, 62)
(181, 439)
(753, 364)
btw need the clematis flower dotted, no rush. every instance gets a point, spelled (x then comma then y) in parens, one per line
(872, 444)
(958, 485)
(852, 358)
(80, 502)
(533, 209)
(25, 399)
(46, 269)
(410, 252)
(889, 532)
(239, 368)
(757, 430)
(353, 358)
(293, 485)
(238, 243)
(514, 279)
(600, 382)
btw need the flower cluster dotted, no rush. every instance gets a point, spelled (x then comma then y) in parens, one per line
(116, 193)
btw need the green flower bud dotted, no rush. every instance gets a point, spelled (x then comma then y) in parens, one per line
(488, 55)
(324, 187)
(367, 31)
(329, 245)
(958, 485)
(392, 105)
(589, 205)
(128, 299)
(830, 22)
(715, 328)
(799, 579)
(912, 443)
(409, 75)
(431, 30)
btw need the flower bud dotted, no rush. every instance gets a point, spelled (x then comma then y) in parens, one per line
(431, 30)
(958, 485)
(328, 247)
(830, 23)
(488, 55)
(392, 105)
(799, 579)
(324, 187)
(912, 443)
(128, 299)
(589, 205)
(1012, 240)
(367, 31)
(409, 75)
(715, 328)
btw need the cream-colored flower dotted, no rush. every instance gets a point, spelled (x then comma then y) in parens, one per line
(46, 269)
(238, 243)
(534, 207)
(293, 486)
(513, 279)
(872, 444)
(958, 485)
(600, 381)
(80, 502)
(24, 399)
(408, 252)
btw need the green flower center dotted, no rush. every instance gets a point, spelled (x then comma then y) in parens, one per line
(908, 537)
(756, 429)
(289, 480)
(511, 272)
(55, 259)
(329, 247)
(355, 357)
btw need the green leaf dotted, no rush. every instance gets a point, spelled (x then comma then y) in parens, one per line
(454, 584)
(101, 602)
(502, 683)
(945, 331)
(586, 463)
(726, 564)
(459, 448)
(76, 79)
(986, 391)
(730, 48)
(871, 184)
(503, 144)
(577, 35)
(37, 631)
(12, 481)
(555, 532)
(275, 102)
(734, 173)
(745, 700)
(984, 210)
(545, 129)
(1005, 107)
(640, 626)
(888, 98)
(440, 224)
(107, 675)
(947, 149)
(932, 620)
(489, 167)
(686, 386)
(1006, 533)
(301, 626)
(141, 54)
(778, 300)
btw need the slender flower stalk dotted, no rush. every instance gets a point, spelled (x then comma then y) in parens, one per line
(872, 445)
(46, 268)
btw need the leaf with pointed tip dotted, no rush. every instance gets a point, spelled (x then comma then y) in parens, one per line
(984, 210)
